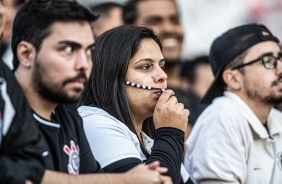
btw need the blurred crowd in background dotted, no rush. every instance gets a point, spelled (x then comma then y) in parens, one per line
(204, 20)
(187, 70)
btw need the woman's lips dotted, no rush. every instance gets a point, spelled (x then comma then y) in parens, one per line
(158, 93)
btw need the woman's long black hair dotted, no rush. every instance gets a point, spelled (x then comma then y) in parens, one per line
(106, 88)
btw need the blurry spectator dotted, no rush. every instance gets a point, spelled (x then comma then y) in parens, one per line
(5, 47)
(20, 142)
(198, 74)
(238, 138)
(110, 16)
(163, 17)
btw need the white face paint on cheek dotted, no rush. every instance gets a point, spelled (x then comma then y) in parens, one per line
(144, 87)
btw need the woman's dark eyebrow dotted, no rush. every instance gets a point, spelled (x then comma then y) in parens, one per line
(148, 59)
(162, 60)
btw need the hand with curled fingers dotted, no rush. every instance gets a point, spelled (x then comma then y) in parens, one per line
(166, 180)
(169, 113)
(148, 174)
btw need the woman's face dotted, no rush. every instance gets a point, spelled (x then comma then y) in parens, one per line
(145, 68)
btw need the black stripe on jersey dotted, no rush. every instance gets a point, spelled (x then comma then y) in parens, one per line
(122, 165)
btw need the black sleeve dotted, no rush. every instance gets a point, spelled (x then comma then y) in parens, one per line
(21, 146)
(122, 165)
(168, 150)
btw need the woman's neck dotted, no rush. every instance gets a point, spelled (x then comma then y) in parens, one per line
(138, 124)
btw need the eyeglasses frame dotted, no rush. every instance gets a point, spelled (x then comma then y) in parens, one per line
(261, 58)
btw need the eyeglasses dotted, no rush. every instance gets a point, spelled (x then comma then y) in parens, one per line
(268, 60)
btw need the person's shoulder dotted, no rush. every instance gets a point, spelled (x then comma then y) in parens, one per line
(85, 111)
(275, 114)
(99, 118)
(221, 114)
(94, 112)
(221, 106)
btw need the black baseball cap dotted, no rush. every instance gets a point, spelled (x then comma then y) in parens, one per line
(226, 47)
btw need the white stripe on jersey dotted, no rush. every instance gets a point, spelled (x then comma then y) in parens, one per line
(48, 123)
(9, 111)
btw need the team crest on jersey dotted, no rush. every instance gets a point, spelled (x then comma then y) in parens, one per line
(74, 160)
(279, 155)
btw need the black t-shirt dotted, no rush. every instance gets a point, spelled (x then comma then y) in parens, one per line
(66, 147)
(21, 144)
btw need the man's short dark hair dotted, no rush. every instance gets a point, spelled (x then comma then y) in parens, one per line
(35, 18)
(130, 11)
(104, 8)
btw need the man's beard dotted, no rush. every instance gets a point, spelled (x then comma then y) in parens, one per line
(255, 94)
(54, 91)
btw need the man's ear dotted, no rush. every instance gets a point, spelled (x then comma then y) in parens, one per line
(232, 79)
(26, 53)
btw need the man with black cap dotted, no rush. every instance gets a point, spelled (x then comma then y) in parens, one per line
(238, 138)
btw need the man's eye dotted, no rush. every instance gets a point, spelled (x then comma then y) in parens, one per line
(162, 65)
(175, 21)
(68, 49)
(89, 52)
(268, 61)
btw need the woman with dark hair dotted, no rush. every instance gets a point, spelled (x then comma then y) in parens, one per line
(125, 106)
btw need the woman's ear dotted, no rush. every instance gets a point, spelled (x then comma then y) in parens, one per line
(26, 53)
(232, 79)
